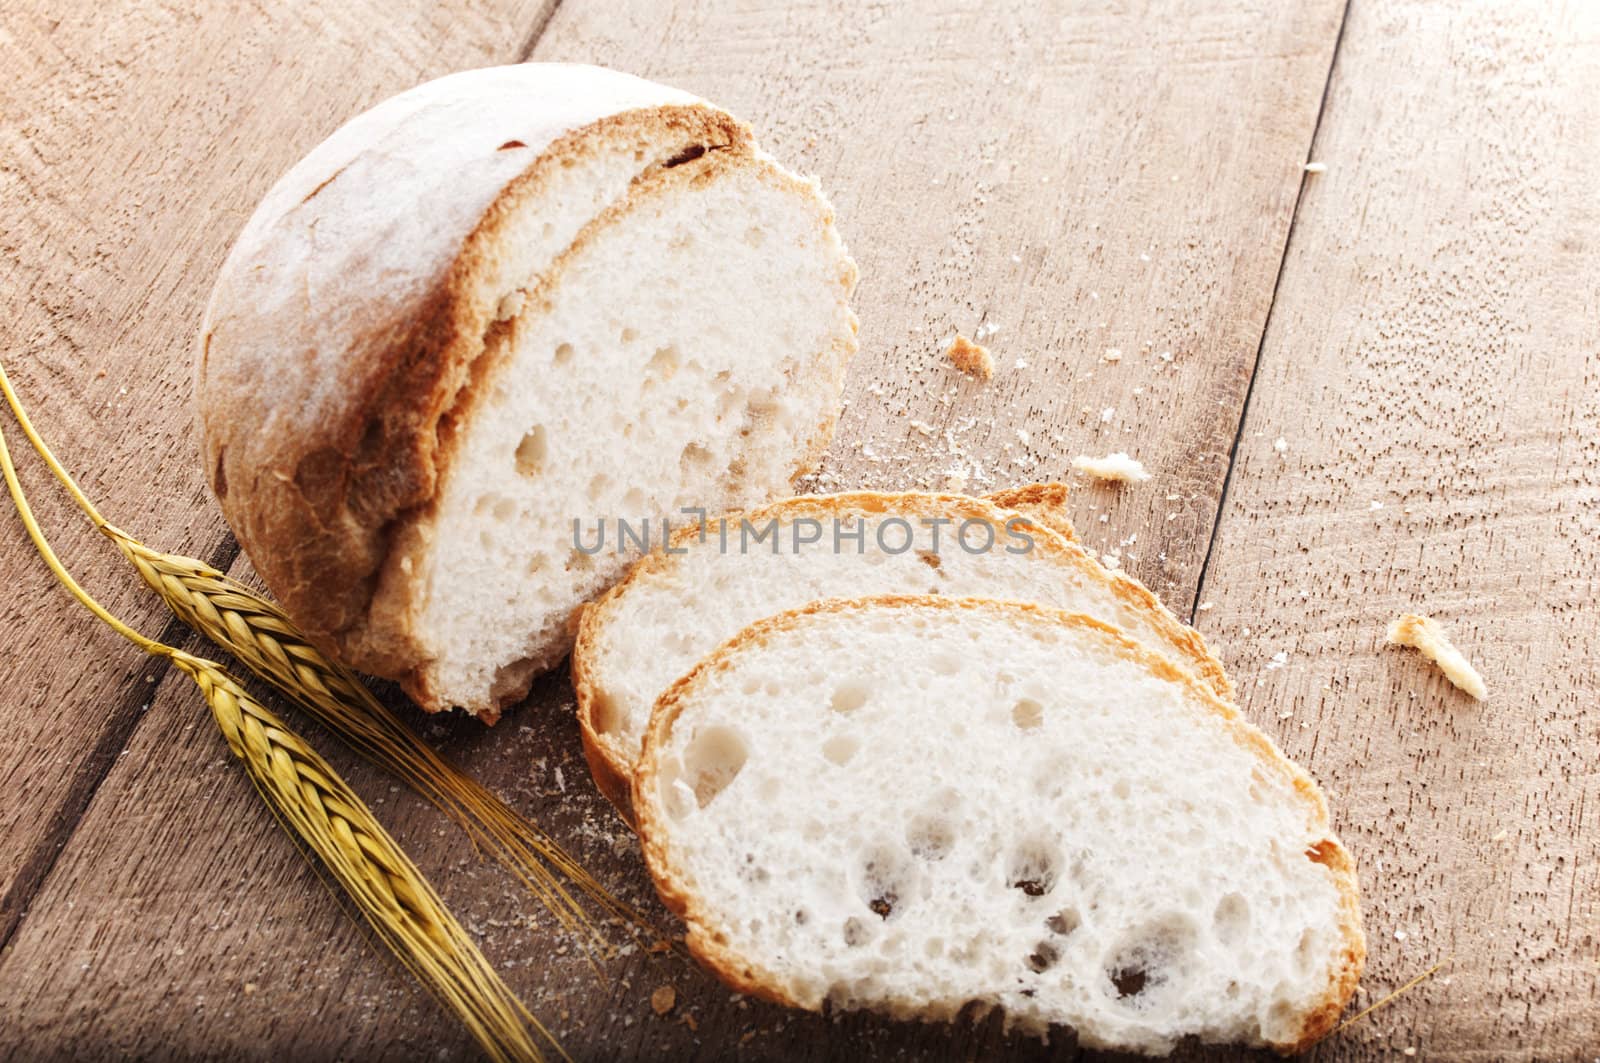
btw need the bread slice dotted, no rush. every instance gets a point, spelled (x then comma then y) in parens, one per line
(493, 306)
(673, 608)
(912, 804)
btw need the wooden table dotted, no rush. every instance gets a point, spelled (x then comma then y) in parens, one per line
(1361, 390)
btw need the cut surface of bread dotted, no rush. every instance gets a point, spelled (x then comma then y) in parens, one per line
(673, 608)
(913, 804)
(496, 308)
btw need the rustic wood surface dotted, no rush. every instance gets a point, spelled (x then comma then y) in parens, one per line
(1068, 181)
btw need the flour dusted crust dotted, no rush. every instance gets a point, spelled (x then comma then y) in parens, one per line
(368, 293)
(611, 763)
(704, 938)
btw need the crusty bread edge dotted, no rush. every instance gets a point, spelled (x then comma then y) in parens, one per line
(1043, 504)
(678, 893)
(612, 767)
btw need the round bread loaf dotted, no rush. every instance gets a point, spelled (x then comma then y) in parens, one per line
(503, 306)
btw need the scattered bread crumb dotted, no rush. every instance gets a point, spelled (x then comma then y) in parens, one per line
(971, 358)
(1425, 634)
(663, 999)
(1113, 354)
(1118, 467)
(1500, 836)
(1280, 444)
(250, 989)
(1316, 167)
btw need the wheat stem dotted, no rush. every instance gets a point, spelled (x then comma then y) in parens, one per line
(263, 637)
(308, 796)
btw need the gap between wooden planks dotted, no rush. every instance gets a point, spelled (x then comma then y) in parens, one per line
(1432, 364)
(931, 155)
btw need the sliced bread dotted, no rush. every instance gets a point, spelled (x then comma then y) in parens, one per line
(913, 804)
(675, 606)
(495, 306)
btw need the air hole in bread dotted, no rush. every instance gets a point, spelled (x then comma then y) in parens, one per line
(662, 365)
(1129, 981)
(694, 457)
(532, 452)
(840, 749)
(1027, 714)
(930, 837)
(633, 503)
(755, 236)
(504, 510)
(579, 562)
(1064, 922)
(599, 486)
(729, 398)
(888, 877)
(850, 696)
(1043, 957)
(1232, 918)
(946, 664)
(629, 335)
(855, 932)
(563, 353)
(1305, 953)
(1122, 789)
(1144, 968)
(1033, 868)
(930, 558)
(713, 760)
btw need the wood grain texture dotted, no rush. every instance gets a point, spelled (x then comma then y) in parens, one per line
(135, 140)
(1062, 184)
(1435, 350)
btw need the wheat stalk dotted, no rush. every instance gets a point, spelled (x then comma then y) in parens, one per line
(261, 635)
(318, 807)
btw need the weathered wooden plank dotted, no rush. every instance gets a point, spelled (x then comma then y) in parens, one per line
(1121, 179)
(1435, 350)
(135, 139)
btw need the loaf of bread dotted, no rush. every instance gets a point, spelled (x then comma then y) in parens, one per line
(913, 804)
(674, 607)
(492, 309)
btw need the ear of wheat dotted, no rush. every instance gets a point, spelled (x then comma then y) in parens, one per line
(267, 641)
(319, 808)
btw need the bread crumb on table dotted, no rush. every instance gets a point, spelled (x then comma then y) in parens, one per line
(663, 999)
(1119, 468)
(971, 358)
(1425, 634)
